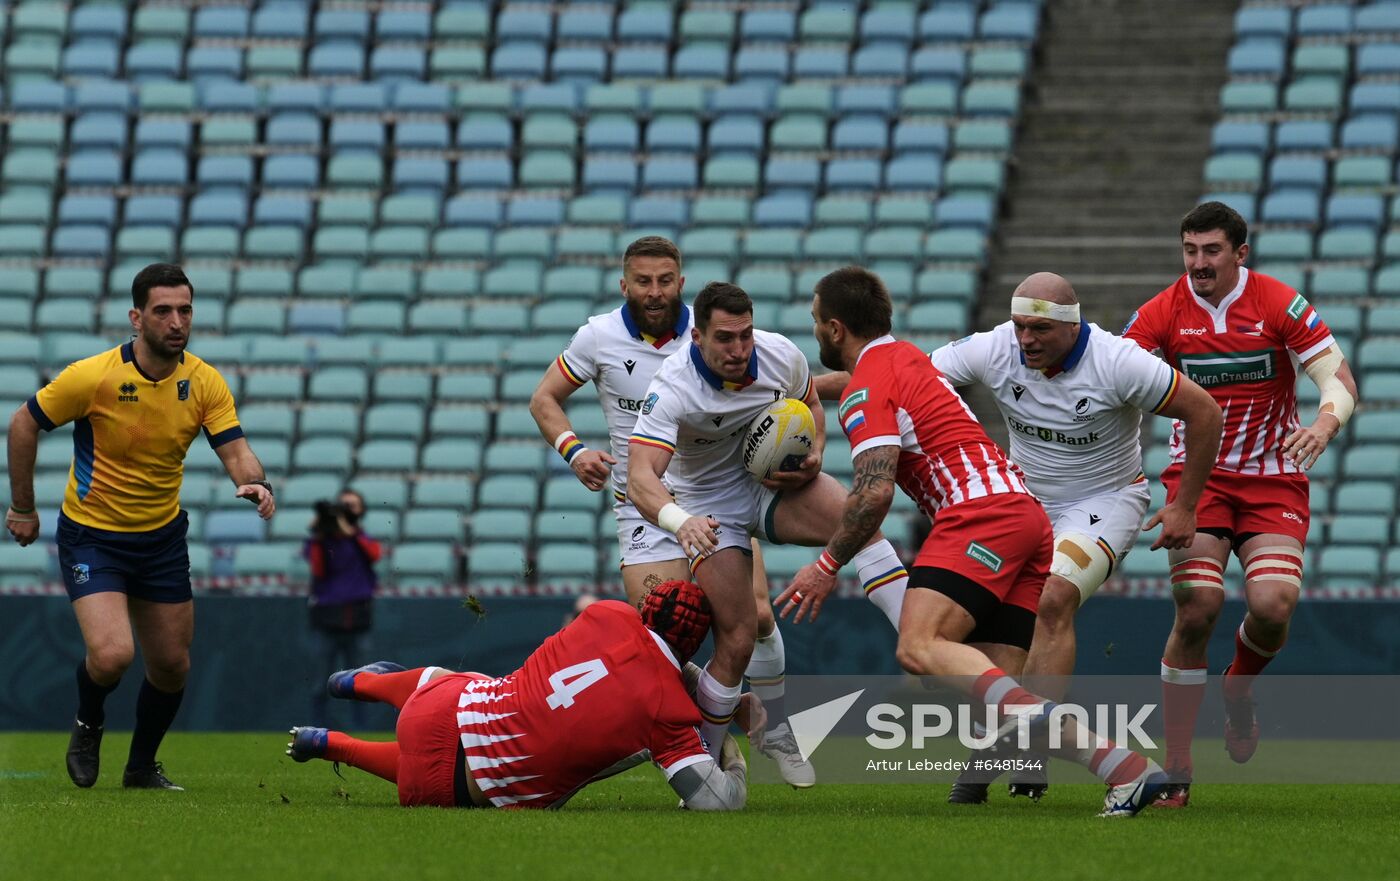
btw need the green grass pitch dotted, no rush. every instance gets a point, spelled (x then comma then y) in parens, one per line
(251, 813)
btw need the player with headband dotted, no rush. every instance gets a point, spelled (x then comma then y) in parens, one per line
(1072, 395)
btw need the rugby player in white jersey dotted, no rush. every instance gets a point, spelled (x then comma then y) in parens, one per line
(692, 424)
(1072, 395)
(620, 351)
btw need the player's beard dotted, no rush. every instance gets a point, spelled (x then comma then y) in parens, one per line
(829, 355)
(162, 347)
(662, 324)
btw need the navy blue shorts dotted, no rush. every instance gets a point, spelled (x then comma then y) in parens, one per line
(152, 565)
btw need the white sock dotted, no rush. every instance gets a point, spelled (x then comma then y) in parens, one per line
(426, 675)
(765, 675)
(884, 578)
(717, 704)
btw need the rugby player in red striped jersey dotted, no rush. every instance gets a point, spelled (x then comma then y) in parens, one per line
(1240, 335)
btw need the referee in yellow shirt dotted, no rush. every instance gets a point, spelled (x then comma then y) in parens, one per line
(121, 536)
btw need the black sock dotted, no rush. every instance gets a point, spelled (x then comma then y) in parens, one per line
(91, 697)
(155, 710)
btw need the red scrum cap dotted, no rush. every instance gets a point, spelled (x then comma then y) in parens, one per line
(679, 612)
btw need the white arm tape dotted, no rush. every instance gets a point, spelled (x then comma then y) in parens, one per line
(672, 517)
(1030, 307)
(1323, 371)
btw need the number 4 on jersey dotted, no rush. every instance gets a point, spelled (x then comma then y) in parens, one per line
(570, 681)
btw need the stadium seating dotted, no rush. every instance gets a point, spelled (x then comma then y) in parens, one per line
(1306, 149)
(395, 214)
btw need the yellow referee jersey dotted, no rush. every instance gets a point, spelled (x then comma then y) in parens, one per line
(131, 433)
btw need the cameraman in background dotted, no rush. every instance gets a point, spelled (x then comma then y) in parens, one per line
(343, 582)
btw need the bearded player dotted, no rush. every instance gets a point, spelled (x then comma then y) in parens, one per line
(619, 352)
(970, 609)
(602, 695)
(1239, 335)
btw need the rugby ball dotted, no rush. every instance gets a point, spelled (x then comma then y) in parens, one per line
(779, 438)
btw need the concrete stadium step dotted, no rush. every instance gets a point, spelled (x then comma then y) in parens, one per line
(1113, 140)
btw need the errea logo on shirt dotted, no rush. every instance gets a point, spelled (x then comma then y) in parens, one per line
(126, 393)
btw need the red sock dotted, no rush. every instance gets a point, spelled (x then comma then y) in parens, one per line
(380, 758)
(995, 687)
(1249, 661)
(1116, 765)
(389, 688)
(1182, 691)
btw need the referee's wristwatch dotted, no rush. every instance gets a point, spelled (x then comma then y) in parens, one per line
(264, 484)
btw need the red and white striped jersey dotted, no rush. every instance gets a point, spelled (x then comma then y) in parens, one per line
(896, 397)
(598, 692)
(1245, 352)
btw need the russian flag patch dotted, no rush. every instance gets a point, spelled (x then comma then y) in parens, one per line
(853, 420)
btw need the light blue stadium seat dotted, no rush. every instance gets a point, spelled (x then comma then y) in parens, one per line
(1258, 57)
(820, 62)
(394, 63)
(234, 526)
(1292, 206)
(1275, 22)
(1237, 136)
(342, 25)
(1362, 172)
(214, 62)
(95, 210)
(1009, 21)
(1312, 94)
(762, 64)
(768, 26)
(1308, 135)
(783, 209)
(610, 131)
(1325, 20)
(1247, 96)
(963, 245)
(791, 173)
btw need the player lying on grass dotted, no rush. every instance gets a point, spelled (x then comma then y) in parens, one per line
(604, 694)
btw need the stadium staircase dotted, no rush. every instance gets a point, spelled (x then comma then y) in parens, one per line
(1115, 132)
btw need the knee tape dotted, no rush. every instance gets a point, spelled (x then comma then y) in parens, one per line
(1198, 572)
(1282, 563)
(1082, 561)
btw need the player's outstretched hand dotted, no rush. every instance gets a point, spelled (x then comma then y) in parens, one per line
(260, 496)
(592, 468)
(1178, 527)
(806, 472)
(24, 527)
(1305, 445)
(699, 536)
(809, 589)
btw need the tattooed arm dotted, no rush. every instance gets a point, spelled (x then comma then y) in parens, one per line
(865, 510)
(869, 502)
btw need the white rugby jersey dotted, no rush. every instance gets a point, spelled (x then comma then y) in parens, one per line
(613, 352)
(701, 418)
(1074, 428)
